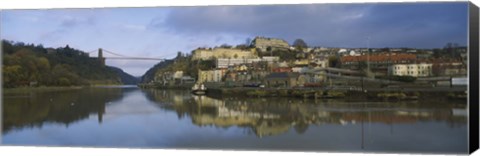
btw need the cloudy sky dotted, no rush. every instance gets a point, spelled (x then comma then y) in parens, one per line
(161, 32)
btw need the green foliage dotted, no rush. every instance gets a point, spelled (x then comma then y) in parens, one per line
(258, 93)
(29, 64)
(300, 44)
(285, 55)
(333, 61)
(395, 95)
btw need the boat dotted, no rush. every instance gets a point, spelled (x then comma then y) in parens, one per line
(199, 89)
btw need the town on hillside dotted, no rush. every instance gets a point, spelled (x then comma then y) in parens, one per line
(274, 63)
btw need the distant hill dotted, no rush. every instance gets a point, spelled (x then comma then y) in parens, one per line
(126, 78)
(150, 74)
(180, 63)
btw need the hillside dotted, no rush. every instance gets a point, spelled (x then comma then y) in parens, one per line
(150, 74)
(34, 65)
(180, 63)
(125, 78)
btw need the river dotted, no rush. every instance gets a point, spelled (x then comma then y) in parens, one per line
(127, 116)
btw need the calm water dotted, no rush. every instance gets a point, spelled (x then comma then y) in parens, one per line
(133, 117)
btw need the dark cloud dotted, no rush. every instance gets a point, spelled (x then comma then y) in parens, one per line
(388, 25)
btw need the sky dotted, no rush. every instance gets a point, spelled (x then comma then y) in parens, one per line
(160, 32)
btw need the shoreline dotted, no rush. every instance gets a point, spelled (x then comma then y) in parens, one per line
(318, 93)
(43, 88)
(53, 88)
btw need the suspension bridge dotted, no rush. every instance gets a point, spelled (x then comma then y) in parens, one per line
(102, 58)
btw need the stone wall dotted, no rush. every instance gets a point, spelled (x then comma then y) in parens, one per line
(226, 53)
(263, 43)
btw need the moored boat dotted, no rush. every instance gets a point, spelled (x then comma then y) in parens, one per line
(199, 89)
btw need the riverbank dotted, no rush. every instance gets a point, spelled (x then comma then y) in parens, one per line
(42, 88)
(318, 93)
(178, 87)
(53, 88)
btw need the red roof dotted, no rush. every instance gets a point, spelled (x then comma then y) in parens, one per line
(379, 57)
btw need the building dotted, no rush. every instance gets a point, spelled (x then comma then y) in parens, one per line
(226, 62)
(265, 44)
(300, 69)
(178, 74)
(270, 59)
(223, 53)
(215, 75)
(302, 62)
(322, 63)
(281, 69)
(415, 70)
(447, 67)
(173, 78)
(382, 60)
(282, 79)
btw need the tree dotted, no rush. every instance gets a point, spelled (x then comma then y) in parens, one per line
(269, 49)
(13, 75)
(333, 61)
(225, 46)
(300, 44)
(179, 55)
(248, 41)
(362, 65)
(242, 47)
(25, 63)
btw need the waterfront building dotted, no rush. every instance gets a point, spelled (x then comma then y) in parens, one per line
(282, 79)
(215, 75)
(415, 70)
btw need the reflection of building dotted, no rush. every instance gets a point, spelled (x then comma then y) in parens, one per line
(267, 128)
(220, 115)
(275, 116)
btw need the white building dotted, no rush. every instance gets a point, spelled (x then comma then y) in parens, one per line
(323, 63)
(214, 75)
(354, 53)
(342, 51)
(225, 63)
(300, 69)
(415, 70)
(178, 74)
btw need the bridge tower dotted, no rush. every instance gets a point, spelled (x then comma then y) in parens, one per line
(100, 56)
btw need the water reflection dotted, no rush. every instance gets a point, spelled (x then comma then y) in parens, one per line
(276, 116)
(130, 117)
(35, 108)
